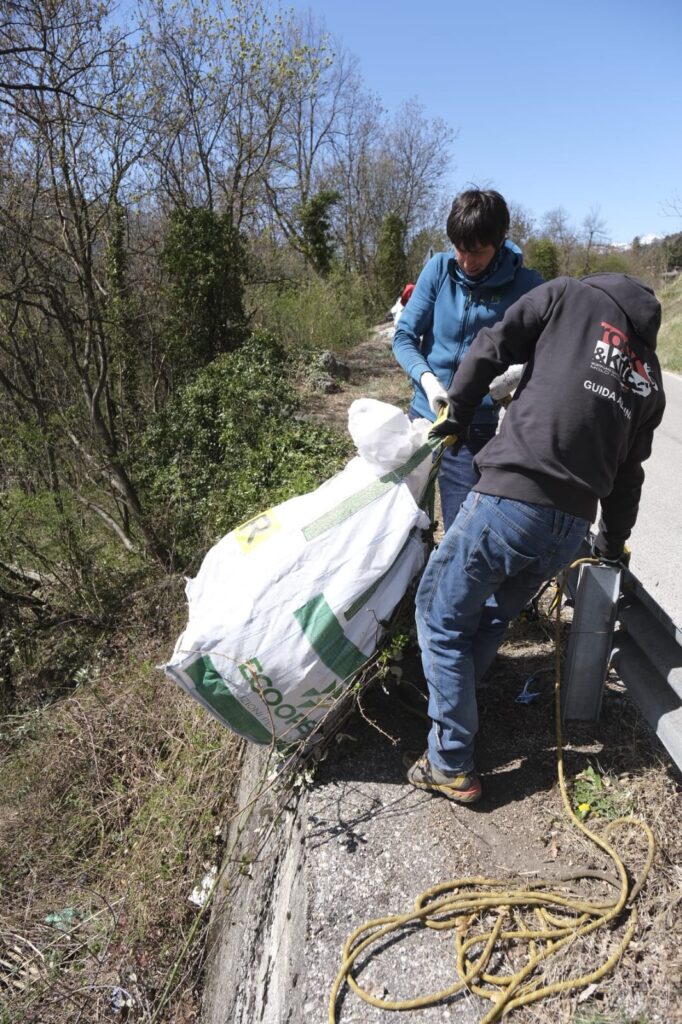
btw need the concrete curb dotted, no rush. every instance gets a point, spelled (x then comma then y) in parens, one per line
(253, 968)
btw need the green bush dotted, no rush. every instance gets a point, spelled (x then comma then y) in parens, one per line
(228, 445)
(424, 242)
(542, 254)
(316, 312)
(607, 263)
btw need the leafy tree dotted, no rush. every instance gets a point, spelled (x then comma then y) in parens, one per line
(314, 312)
(416, 153)
(543, 255)
(311, 121)
(391, 261)
(422, 247)
(204, 259)
(222, 78)
(672, 246)
(316, 229)
(648, 261)
(382, 169)
(609, 261)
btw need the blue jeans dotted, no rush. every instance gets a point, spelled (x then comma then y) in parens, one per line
(457, 473)
(487, 567)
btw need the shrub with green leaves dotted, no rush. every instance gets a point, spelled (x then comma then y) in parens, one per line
(542, 254)
(228, 445)
(316, 312)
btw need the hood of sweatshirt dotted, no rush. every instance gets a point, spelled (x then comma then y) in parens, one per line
(635, 298)
(501, 270)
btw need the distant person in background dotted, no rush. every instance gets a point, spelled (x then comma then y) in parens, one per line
(398, 307)
(454, 297)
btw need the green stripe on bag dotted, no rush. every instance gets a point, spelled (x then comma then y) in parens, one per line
(362, 600)
(327, 638)
(346, 509)
(365, 496)
(211, 686)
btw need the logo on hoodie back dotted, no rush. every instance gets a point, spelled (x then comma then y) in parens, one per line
(614, 355)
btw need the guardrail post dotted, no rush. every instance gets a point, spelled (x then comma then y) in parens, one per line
(645, 650)
(590, 642)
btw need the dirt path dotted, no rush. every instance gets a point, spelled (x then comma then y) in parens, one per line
(374, 373)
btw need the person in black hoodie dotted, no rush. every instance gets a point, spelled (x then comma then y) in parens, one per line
(575, 435)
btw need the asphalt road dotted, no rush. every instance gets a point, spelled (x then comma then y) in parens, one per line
(656, 540)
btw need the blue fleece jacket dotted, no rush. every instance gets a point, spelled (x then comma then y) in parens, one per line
(446, 311)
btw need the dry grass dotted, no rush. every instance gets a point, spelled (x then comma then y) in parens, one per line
(670, 337)
(113, 803)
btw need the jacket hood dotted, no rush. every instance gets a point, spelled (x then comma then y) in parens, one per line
(636, 299)
(501, 270)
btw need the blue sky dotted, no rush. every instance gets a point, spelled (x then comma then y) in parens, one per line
(555, 104)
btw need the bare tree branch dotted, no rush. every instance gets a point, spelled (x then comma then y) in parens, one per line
(110, 522)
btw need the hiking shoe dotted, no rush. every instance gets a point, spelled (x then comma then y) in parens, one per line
(464, 788)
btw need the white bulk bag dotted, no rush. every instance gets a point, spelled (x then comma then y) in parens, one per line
(288, 607)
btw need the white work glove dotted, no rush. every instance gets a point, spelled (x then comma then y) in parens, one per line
(501, 388)
(435, 392)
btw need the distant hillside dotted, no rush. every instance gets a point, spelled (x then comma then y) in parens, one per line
(670, 337)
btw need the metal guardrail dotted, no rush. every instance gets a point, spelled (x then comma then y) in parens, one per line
(617, 621)
(590, 641)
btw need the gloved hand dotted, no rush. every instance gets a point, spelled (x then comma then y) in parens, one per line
(436, 394)
(449, 429)
(617, 559)
(502, 387)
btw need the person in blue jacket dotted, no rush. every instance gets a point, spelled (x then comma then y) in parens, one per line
(455, 296)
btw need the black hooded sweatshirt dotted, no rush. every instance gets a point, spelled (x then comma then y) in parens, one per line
(582, 418)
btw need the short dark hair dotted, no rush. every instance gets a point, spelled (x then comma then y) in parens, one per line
(477, 218)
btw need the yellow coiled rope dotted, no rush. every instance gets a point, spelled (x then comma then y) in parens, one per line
(538, 917)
